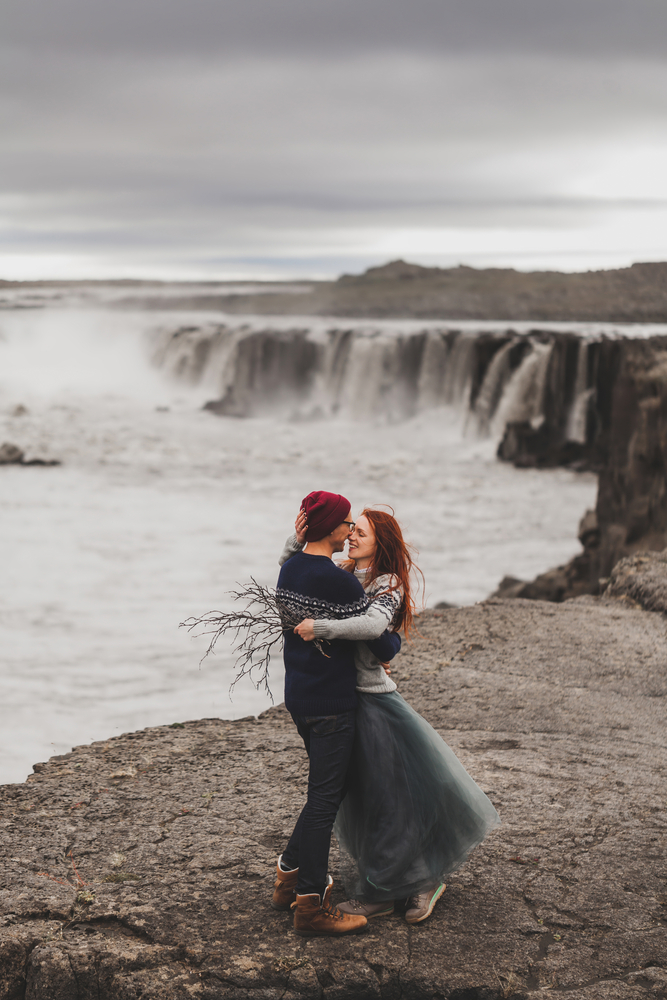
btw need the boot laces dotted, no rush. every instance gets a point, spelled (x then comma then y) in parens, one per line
(331, 910)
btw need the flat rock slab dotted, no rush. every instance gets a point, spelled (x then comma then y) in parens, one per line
(142, 866)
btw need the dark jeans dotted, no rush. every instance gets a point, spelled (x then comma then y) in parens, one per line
(328, 740)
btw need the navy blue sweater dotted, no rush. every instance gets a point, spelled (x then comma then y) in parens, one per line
(314, 587)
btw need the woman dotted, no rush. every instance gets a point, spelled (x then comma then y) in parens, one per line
(412, 813)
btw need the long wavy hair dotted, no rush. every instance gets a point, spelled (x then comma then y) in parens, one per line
(392, 557)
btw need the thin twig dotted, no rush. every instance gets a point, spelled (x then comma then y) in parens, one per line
(262, 623)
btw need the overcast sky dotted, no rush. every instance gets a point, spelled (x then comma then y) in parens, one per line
(280, 138)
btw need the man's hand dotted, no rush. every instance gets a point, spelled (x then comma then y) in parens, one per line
(385, 667)
(301, 526)
(305, 629)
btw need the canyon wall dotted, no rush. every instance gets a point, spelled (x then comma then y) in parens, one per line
(622, 434)
(586, 398)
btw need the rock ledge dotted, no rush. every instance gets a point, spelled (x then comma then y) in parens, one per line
(141, 867)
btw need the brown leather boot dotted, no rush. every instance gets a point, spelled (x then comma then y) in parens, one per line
(315, 918)
(284, 892)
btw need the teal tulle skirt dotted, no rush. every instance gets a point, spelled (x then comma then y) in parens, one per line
(412, 813)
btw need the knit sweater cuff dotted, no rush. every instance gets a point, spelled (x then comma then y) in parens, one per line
(367, 626)
(291, 548)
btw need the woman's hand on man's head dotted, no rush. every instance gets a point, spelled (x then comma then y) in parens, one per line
(305, 629)
(301, 526)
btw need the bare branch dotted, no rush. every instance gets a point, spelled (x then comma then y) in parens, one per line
(256, 629)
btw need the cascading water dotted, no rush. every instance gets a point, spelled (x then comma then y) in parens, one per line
(498, 374)
(436, 363)
(362, 372)
(577, 417)
(368, 373)
(523, 399)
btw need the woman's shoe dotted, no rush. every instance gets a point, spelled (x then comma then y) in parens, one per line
(284, 890)
(368, 910)
(421, 905)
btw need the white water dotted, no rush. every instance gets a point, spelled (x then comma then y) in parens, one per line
(156, 513)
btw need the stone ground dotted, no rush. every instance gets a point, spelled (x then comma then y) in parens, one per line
(141, 867)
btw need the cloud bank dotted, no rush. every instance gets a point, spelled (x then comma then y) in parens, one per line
(260, 139)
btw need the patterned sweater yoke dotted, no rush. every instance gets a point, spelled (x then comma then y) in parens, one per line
(294, 607)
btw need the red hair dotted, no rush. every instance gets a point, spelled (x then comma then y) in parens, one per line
(392, 557)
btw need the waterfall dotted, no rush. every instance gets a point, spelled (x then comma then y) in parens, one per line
(576, 421)
(361, 372)
(458, 374)
(431, 387)
(367, 385)
(524, 395)
(383, 371)
(491, 391)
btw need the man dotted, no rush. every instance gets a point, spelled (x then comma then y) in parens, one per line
(320, 696)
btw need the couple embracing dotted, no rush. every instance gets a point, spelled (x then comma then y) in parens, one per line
(406, 812)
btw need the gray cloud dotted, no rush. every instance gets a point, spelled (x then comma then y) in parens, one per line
(255, 129)
(377, 130)
(631, 27)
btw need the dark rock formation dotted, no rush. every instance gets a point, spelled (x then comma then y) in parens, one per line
(142, 866)
(641, 578)
(529, 447)
(632, 498)
(11, 454)
(554, 440)
(625, 440)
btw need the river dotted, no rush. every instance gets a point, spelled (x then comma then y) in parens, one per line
(160, 507)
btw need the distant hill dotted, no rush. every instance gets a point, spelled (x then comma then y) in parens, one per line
(636, 294)
(631, 294)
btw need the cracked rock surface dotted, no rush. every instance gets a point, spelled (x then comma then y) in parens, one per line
(141, 867)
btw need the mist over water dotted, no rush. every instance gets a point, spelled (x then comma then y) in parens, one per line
(55, 354)
(159, 508)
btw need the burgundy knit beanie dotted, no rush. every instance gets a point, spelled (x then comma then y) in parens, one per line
(325, 511)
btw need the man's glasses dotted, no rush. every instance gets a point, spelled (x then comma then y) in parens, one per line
(350, 524)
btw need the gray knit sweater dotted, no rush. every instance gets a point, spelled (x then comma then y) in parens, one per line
(371, 676)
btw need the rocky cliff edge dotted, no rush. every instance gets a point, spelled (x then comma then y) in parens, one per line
(142, 866)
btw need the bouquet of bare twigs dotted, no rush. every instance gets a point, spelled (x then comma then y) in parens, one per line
(255, 629)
